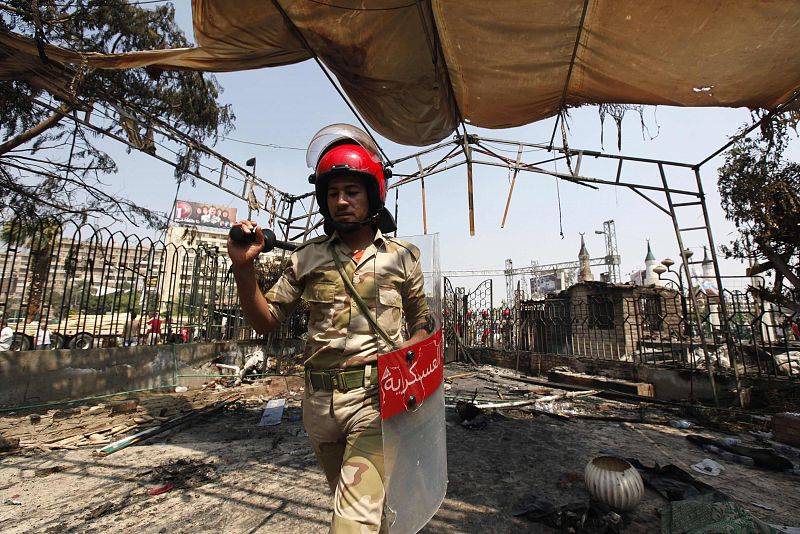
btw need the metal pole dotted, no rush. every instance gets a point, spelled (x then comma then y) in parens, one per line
(424, 211)
(468, 155)
(511, 188)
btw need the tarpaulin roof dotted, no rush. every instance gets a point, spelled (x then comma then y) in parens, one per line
(413, 69)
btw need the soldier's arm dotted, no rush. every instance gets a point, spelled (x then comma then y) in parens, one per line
(254, 304)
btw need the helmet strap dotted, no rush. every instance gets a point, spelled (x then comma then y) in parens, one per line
(348, 227)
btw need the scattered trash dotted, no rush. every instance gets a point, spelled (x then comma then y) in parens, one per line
(785, 450)
(35, 418)
(763, 506)
(125, 406)
(162, 489)
(183, 473)
(8, 444)
(709, 513)
(273, 412)
(254, 364)
(708, 467)
(729, 456)
(479, 422)
(614, 482)
(467, 411)
(681, 423)
(65, 413)
(143, 419)
(579, 516)
(672, 482)
(550, 398)
(760, 457)
(145, 434)
(181, 389)
(13, 501)
(541, 510)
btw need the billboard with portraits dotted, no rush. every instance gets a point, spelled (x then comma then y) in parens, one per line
(200, 214)
(546, 283)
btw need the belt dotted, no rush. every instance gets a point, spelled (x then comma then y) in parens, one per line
(340, 379)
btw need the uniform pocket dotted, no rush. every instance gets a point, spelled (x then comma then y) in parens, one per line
(320, 293)
(390, 311)
(389, 296)
(320, 297)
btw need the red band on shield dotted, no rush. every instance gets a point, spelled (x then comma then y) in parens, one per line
(410, 375)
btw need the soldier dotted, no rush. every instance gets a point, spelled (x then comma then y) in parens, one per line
(341, 405)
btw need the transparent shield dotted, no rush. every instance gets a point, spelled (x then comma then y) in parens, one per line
(414, 441)
(333, 133)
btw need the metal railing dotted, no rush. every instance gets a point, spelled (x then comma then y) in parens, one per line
(656, 326)
(81, 287)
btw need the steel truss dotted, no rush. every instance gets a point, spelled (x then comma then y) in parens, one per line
(293, 216)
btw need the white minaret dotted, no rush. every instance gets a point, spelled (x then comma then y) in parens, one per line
(708, 268)
(710, 280)
(650, 277)
(585, 273)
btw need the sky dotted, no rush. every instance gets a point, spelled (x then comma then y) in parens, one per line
(285, 106)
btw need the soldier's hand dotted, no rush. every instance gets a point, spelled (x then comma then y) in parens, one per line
(243, 254)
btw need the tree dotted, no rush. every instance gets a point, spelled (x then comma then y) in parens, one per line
(49, 165)
(39, 240)
(760, 192)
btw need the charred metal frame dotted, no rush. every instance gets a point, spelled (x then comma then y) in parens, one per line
(675, 200)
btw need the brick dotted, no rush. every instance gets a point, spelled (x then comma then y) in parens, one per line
(786, 428)
(125, 406)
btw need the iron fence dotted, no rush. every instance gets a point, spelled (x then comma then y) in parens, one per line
(73, 285)
(472, 320)
(661, 328)
(655, 325)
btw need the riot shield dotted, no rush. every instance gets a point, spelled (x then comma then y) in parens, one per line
(413, 418)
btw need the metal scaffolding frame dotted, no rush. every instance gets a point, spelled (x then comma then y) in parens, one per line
(679, 202)
(294, 216)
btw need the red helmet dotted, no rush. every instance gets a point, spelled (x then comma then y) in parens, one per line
(351, 159)
(342, 149)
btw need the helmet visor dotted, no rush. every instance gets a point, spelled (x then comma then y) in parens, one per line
(333, 134)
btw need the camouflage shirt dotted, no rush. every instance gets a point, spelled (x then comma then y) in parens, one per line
(388, 277)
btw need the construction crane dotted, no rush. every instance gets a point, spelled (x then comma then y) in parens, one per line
(612, 259)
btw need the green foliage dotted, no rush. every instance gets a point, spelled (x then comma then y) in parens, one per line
(760, 191)
(66, 179)
(125, 299)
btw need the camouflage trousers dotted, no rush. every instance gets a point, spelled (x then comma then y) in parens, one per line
(345, 433)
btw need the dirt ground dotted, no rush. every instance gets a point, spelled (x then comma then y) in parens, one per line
(229, 475)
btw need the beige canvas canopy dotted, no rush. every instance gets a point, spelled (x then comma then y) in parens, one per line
(414, 69)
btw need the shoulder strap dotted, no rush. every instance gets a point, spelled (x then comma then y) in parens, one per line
(320, 239)
(412, 249)
(359, 301)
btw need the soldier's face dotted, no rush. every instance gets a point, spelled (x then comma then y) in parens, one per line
(347, 199)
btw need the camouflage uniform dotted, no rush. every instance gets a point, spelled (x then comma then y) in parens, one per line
(344, 426)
